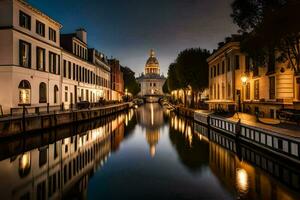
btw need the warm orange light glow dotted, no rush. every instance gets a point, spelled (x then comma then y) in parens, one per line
(244, 79)
(242, 180)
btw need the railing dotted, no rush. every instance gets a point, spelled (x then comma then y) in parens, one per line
(223, 125)
(271, 140)
(35, 121)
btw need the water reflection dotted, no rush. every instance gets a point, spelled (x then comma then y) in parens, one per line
(63, 168)
(244, 180)
(151, 118)
(106, 159)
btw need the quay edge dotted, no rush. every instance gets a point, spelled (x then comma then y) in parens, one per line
(14, 126)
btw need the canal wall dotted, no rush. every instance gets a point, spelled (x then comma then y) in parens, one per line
(269, 139)
(12, 126)
(186, 112)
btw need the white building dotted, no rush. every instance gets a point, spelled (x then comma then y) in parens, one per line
(151, 82)
(35, 70)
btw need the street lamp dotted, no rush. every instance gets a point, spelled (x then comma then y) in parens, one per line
(126, 94)
(244, 80)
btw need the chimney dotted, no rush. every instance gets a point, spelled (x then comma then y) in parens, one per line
(82, 35)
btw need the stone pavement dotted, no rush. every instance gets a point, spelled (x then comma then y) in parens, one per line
(288, 129)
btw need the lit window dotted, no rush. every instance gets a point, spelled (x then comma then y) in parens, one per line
(40, 59)
(24, 92)
(25, 54)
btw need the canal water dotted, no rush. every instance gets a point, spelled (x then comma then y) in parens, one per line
(145, 153)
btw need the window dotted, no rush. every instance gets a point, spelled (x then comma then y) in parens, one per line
(218, 69)
(24, 20)
(237, 62)
(228, 65)
(248, 91)
(229, 90)
(256, 89)
(42, 156)
(40, 28)
(25, 54)
(272, 87)
(247, 63)
(74, 71)
(43, 93)
(52, 62)
(211, 72)
(66, 94)
(40, 59)
(24, 92)
(215, 71)
(223, 67)
(52, 35)
(65, 69)
(55, 94)
(255, 71)
(69, 70)
(223, 91)
(77, 73)
(58, 64)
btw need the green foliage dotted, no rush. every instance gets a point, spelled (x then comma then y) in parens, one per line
(192, 68)
(130, 82)
(269, 26)
(172, 80)
(165, 87)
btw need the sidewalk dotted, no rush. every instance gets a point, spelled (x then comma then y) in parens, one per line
(275, 125)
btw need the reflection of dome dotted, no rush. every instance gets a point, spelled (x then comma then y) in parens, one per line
(152, 65)
(152, 139)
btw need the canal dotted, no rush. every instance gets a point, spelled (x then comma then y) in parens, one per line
(145, 153)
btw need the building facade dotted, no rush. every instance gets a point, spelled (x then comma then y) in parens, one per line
(151, 82)
(235, 84)
(117, 81)
(39, 67)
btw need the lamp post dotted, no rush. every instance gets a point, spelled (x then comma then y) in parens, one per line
(244, 80)
(126, 94)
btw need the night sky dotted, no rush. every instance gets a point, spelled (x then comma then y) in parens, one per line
(128, 29)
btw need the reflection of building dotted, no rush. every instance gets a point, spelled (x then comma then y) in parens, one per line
(245, 180)
(61, 169)
(151, 82)
(152, 137)
(150, 117)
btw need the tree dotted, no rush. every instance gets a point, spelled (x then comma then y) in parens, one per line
(130, 82)
(165, 87)
(192, 70)
(269, 26)
(172, 80)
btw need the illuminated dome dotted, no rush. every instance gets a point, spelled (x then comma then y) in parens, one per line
(152, 65)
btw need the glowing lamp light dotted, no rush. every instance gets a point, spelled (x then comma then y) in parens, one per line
(24, 161)
(242, 180)
(244, 79)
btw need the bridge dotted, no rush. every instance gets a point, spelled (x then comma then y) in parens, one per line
(153, 98)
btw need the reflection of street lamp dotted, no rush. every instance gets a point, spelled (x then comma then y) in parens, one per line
(242, 180)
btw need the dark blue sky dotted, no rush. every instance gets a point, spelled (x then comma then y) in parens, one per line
(128, 29)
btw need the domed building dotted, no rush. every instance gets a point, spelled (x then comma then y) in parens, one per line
(151, 81)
